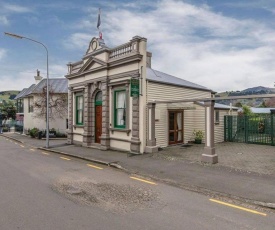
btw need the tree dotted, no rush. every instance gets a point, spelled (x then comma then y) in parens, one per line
(8, 110)
(58, 104)
(238, 104)
(270, 102)
(246, 111)
(263, 105)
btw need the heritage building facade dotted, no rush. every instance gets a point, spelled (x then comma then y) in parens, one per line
(109, 91)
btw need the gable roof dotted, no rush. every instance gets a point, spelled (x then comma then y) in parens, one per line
(157, 76)
(19, 95)
(26, 92)
(57, 85)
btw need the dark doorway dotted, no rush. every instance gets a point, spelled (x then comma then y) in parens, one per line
(98, 117)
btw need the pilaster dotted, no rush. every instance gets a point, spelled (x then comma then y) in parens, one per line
(105, 137)
(151, 142)
(135, 141)
(70, 117)
(87, 135)
(209, 155)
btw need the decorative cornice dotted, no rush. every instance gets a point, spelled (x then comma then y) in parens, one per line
(125, 59)
(118, 83)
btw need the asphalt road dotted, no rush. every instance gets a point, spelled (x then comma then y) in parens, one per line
(41, 190)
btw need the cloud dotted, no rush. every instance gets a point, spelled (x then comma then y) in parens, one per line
(16, 8)
(3, 20)
(78, 41)
(58, 71)
(2, 53)
(23, 79)
(191, 42)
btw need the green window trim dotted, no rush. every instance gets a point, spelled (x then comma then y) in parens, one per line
(120, 109)
(79, 105)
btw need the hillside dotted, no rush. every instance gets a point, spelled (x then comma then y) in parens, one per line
(249, 91)
(8, 95)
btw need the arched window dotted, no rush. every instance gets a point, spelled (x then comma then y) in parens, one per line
(98, 98)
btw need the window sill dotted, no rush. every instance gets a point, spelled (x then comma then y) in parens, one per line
(78, 126)
(120, 130)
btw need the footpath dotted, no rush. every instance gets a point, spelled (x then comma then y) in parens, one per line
(220, 180)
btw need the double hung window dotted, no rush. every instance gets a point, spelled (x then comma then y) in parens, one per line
(217, 116)
(120, 109)
(30, 104)
(79, 109)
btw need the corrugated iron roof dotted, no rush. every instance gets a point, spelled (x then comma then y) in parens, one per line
(261, 110)
(19, 95)
(56, 85)
(157, 76)
(25, 92)
(220, 106)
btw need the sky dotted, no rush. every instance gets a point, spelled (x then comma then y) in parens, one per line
(222, 45)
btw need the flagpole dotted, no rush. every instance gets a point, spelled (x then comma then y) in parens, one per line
(99, 23)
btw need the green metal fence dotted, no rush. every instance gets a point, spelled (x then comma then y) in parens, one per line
(256, 129)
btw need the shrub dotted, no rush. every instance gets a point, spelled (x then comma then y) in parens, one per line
(34, 132)
(198, 134)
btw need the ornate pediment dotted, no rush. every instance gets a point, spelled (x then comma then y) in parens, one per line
(93, 64)
(95, 44)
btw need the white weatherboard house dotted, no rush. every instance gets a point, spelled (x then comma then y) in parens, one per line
(28, 112)
(109, 91)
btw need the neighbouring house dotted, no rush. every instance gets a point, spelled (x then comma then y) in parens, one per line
(109, 91)
(31, 105)
(262, 110)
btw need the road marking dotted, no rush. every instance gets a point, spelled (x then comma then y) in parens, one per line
(238, 207)
(65, 158)
(146, 181)
(32, 150)
(22, 146)
(45, 153)
(93, 166)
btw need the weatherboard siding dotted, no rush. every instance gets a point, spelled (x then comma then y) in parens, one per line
(192, 118)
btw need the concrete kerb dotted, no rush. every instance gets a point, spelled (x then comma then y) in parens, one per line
(14, 139)
(110, 164)
(188, 187)
(208, 192)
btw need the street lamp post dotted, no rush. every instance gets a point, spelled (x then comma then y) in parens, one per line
(47, 102)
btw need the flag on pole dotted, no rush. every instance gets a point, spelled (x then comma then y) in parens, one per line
(98, 19)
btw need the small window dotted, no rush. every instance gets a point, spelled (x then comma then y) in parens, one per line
(20, 106)
(120, 109)
(30, 104)
(79, 109)
(217, 116)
